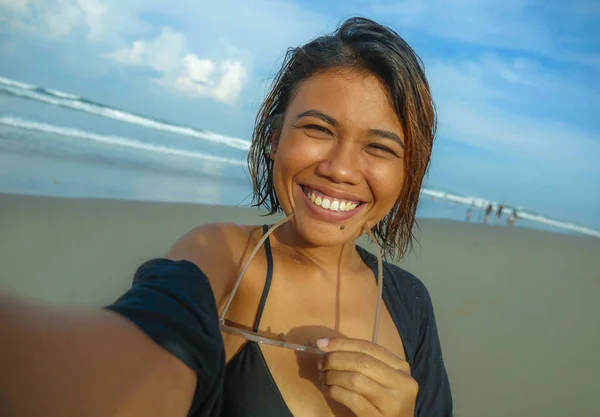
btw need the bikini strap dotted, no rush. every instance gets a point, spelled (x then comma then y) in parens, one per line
(267, 231)
(265, 238)
(265, 294)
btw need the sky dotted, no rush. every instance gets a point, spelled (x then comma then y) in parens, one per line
(516, 82)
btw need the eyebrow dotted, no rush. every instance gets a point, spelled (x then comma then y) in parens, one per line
(319, 115)
(385, 134)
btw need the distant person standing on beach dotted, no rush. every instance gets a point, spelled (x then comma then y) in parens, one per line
(488, 211)
(513, 218)
(499, 213)
(470, 212)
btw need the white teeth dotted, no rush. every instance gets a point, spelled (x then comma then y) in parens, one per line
(329, 204)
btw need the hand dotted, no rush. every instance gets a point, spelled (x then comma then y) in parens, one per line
(367, 378)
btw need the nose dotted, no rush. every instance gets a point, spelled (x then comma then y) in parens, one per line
(342, 164)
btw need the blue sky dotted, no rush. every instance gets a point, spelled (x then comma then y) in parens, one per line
(517, 82)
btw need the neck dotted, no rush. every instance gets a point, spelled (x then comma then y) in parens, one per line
(327, 259)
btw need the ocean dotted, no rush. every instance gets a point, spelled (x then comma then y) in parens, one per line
(57, 144)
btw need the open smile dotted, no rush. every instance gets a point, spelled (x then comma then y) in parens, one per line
(330, 205)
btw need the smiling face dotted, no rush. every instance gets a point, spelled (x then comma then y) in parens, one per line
(339, 157)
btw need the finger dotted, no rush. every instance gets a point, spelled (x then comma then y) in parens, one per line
(364, 364)
(358, 404)
(363, 346)
(358, 383)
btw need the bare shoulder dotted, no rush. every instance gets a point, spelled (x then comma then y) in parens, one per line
(218, 249)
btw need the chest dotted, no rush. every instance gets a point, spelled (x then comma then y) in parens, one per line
(303, 309)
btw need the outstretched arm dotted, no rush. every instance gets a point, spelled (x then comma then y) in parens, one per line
(65, 362)
(145, 355)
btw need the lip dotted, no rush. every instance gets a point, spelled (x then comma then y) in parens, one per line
(328, 215)
(332, 193)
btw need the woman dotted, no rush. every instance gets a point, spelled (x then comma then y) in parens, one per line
(341, 146)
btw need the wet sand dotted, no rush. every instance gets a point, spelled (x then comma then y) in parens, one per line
(518, 310)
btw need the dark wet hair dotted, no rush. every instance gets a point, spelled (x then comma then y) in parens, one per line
(367, 46)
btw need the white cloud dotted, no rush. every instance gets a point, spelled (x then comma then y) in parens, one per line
(230, 84)
(521, 137)
(133, 55)
(62, 19)
(255, 32)
(163, 53)
(185, 84)
(227, 29)
(94, 13)
(550, 29)
(198, 70)
(183, 71)
(57, 18)
(491, 103)
(15, 5)
(100, 21)
(241, 38)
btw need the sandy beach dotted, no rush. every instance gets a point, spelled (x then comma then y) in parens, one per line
(517, 309)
